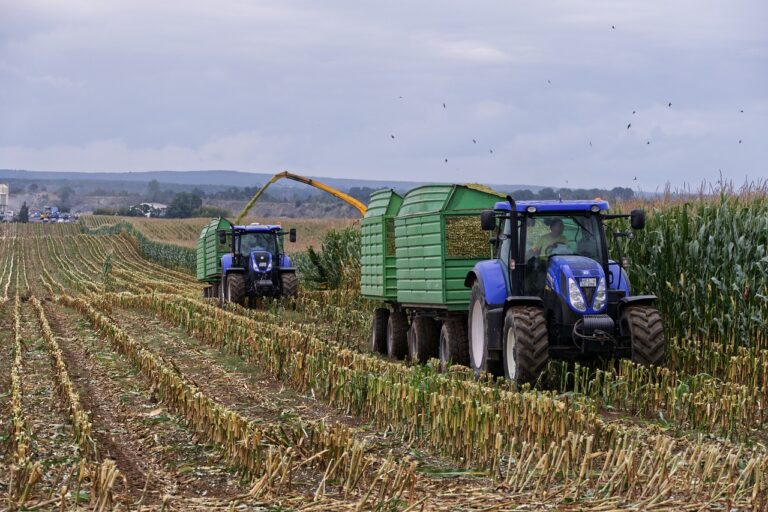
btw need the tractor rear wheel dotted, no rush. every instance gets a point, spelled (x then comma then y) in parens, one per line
(477, 330)
(454, 347)
(423, 339)
(290, 284)
(379, 331)
(643, 326)
(397, 335)
(236, 288)
(525, 343)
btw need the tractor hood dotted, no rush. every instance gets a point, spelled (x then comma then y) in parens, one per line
(579, 281)
(261, 261)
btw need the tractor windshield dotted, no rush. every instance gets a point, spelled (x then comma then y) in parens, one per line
(563, 234)
(557, 235)
(263, 241)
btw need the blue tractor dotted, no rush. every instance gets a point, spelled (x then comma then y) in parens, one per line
(245, 262)
(552, 291)
(256, 266)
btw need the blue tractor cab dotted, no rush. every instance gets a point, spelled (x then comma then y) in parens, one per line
(257, 265)
(553, 291)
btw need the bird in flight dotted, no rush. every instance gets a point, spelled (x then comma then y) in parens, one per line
(739, 141)
(647, 142)
(443, 105)
(741, 111)
(446, 160)
(590, 143)
(633, 112)
(491, 151)
(613, 27)
(474, 141)
(629, 126)
(635, 178)
(669, 104)
(392, 136)
(549, 81)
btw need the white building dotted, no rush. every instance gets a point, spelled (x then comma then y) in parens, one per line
(3, 199)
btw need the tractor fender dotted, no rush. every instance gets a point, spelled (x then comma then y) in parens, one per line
(637, 300)
(226, 265)
(524, 300)
(285, 263)
(493, 280)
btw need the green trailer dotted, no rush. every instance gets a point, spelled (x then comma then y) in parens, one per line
(378, 277)
(209, 253)
(437, 240)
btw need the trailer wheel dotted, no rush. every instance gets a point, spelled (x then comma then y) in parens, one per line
(525, 343)
(397, 335)
(236, 288)
(290, 284)
(643, 326)
(454, 347)
(423, 339)
(379, 331)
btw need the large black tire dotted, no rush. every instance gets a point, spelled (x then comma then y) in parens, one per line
(235, 293)
(379, 331)
(525, 343)
(397, 335)
(477, 332)
(645, 330)
(290, 284)
(423, 339)
(454, 346)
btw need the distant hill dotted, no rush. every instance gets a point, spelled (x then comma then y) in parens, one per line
(214, 178)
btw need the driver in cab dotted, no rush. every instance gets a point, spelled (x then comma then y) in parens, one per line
(550, 240)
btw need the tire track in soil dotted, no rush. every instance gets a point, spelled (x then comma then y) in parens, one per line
(53, 442)
(233, 382)
(6, 360)
(150, 446)
(242, 386)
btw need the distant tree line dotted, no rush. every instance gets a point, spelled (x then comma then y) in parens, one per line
(614, 194)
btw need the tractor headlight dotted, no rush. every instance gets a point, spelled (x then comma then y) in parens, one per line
(599, 301)
(575, 296)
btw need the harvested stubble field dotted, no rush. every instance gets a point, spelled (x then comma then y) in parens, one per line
(184, 232)
(120, 388)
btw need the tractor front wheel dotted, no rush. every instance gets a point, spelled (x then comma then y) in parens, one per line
(525, 343)
(290, 284)
(643, 326)
(236, 288)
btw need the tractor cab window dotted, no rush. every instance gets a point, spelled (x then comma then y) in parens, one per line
(558, 235)
(250, 242)
(553, 235)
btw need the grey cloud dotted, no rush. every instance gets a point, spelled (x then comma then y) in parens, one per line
(315, 87)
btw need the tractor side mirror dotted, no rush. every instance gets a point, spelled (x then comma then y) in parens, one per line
(488, 220)
(637, 219)
(222, 237)
(292, 235)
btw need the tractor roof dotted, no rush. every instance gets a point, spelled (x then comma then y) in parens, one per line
(555, 206)
(258, 228)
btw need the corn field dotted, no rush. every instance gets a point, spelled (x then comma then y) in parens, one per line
(122, 389)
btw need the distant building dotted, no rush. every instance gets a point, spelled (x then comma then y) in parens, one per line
(3, 200)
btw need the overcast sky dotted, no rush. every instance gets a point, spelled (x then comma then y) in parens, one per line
(320, 87)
